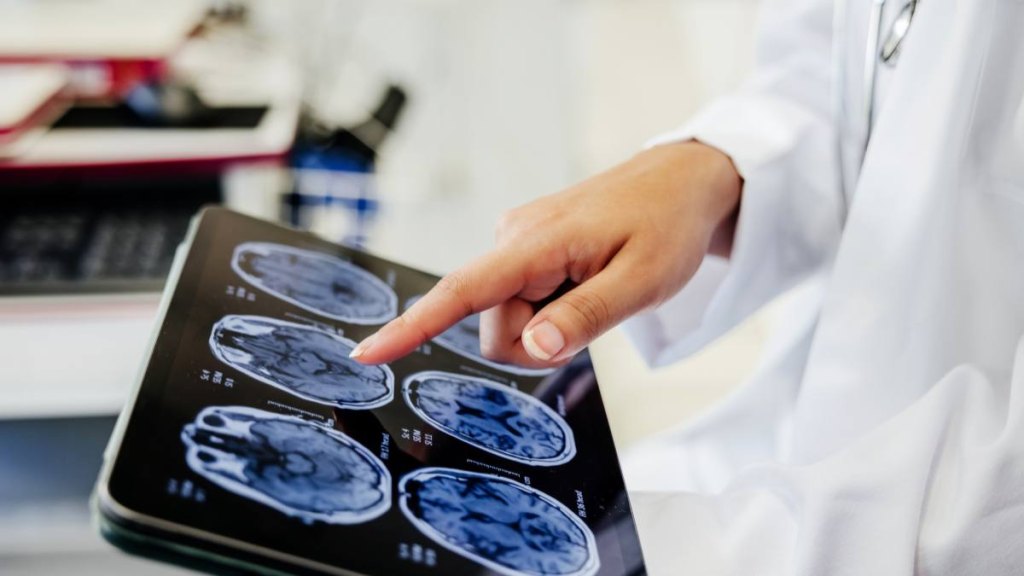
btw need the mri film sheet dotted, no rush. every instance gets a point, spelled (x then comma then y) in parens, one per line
(317, 282)
(464, 339)
(504, 525)
(299, 468)
(301, 360)
(491, 416)
(254, 435)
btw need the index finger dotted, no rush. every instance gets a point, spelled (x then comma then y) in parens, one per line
(485, 282)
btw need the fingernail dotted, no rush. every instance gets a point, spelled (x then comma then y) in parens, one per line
(543, 341)
(362, 347)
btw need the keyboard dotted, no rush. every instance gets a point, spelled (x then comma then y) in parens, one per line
(91, 243)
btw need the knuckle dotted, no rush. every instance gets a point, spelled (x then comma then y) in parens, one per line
(506, 222)
(455, 286)
(511, 224)
(410, 325)
(592, 310)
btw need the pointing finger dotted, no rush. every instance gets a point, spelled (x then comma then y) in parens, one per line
(484, 283)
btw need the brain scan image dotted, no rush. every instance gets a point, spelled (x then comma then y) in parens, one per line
(464, 339)
(491, 416)
(317, 282)
(504, 525)
(301, 360)
(302, 469)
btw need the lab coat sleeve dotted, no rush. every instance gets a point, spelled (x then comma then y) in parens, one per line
(778, 129)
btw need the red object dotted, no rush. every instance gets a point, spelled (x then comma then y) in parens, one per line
(93, 79)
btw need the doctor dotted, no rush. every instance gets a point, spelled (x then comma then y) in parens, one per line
(884, 433)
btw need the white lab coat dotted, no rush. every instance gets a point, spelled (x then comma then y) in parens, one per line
(884, 431)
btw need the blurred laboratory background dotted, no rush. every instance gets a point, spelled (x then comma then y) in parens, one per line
(403, 126)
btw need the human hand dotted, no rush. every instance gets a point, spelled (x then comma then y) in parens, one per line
(569, 266)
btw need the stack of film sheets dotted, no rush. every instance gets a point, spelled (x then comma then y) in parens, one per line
(442, 462)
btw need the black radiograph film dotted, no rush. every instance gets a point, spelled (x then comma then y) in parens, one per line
(491, 416)
(504, 525)
(317, 282)
(302, 360)
(464, 339)
(302, 469)
(252, 426)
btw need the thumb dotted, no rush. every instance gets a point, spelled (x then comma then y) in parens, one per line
(574, 320)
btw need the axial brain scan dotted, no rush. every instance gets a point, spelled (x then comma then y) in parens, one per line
(300, 468)
(491, 416)
(317, 282)
(504, 525)
(301, 360)
(464, 339)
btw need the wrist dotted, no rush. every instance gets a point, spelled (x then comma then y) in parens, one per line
(710, 178)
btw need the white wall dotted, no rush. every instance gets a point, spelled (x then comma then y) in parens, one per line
(646, 66)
